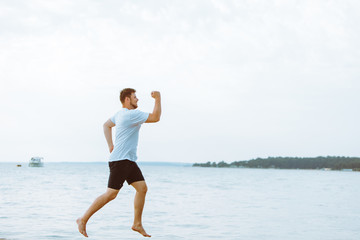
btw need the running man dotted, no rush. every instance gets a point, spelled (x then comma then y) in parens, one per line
(123, 156)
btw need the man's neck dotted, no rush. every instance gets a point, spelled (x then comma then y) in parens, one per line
(128, 107)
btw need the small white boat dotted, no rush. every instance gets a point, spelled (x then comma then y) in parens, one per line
(36, 162)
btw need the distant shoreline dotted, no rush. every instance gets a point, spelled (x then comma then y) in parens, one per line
(105, 162)
(323, 163)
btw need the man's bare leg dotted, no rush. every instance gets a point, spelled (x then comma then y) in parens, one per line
(99, 202)
(139, 202)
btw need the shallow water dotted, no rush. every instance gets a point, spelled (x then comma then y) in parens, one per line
(182, 203)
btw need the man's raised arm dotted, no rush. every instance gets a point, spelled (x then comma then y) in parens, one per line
(108, 135)
(155, 115)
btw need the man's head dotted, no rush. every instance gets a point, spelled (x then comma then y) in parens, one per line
(128, 98)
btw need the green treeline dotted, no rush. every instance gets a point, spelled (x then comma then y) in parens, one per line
(334, 163)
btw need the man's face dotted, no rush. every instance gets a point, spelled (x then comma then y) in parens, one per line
(133, 101)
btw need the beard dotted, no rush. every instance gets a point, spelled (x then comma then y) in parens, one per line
(133, 105)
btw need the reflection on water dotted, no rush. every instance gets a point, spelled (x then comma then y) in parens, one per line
(182, 203)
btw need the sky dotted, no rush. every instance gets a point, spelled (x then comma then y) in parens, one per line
(238, 79)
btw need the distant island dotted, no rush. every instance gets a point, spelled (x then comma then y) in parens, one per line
(325, 163)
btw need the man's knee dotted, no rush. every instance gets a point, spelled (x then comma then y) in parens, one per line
(142, 189)
(111, 194)
(140, 186)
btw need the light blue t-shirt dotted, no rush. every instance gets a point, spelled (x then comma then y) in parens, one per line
(127, 124)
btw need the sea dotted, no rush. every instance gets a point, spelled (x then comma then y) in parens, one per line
(183, 202)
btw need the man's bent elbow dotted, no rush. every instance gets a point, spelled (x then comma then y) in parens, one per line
(153, 119)
(157, 118)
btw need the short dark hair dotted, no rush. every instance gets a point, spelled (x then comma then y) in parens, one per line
(126, 92)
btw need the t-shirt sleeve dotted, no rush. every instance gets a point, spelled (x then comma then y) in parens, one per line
(113, 119)
(138, 117)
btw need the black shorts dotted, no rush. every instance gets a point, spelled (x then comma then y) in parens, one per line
(123, 170)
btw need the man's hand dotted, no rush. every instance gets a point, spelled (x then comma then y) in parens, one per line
(111, 148)
(155, 94)
(155, 115)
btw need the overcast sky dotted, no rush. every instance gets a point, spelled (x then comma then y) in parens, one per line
(239, 79)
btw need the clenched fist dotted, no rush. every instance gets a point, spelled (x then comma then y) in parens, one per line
(155, 94)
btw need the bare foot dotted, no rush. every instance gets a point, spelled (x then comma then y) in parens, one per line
(139, 228)
(82, 226)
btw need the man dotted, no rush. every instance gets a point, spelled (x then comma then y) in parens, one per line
(123, 156)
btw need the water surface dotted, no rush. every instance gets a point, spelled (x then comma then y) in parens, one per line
(182, 203)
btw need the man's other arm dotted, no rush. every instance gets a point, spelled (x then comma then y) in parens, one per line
(155, 115)
(108, 134)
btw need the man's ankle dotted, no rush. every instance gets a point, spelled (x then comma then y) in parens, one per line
(137, 223)
(82, 219)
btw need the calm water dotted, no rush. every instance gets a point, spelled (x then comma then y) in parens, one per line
(182, 203)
